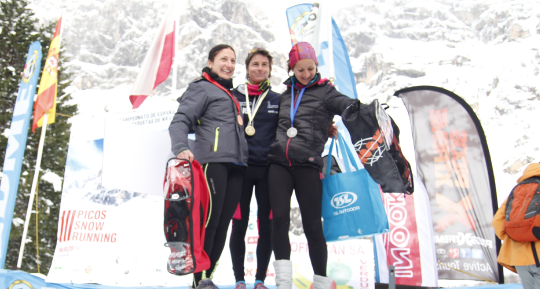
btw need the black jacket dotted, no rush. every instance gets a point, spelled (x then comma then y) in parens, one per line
(320, 102)
(265, 124)
(212, 114)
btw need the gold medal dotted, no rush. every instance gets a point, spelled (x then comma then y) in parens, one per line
(250, 130)
(240, 120)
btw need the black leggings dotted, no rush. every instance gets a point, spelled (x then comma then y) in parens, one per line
(225, 184)
(307, 185)
(253, 176)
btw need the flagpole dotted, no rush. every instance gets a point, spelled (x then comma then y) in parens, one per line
(330, 41)
(175, 60)
(33, 189)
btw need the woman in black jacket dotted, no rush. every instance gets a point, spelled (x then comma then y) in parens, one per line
(260, 106)
(306, 111)
(209, 108)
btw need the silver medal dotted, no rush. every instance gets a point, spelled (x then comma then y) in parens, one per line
(291, 132)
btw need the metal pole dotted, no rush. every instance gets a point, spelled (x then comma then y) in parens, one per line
(33, 189)
(175, 60)
(391, 277)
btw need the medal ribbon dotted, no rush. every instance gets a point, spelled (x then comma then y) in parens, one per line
(236, 103)
(256, 108)
(295, 104)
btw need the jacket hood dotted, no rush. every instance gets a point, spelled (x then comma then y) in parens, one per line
(532, 170)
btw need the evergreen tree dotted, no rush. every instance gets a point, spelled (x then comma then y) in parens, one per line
(18, 29)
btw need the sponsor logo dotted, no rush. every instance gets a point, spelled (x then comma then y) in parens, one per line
(477, 254)
(343, 200)
(252, 226)
(465, 253)
(441, 253)
(453, 253)
(253, 240)
(30, 67)
(347, 210)
(463, 239)
(249, 257)
(87, 269)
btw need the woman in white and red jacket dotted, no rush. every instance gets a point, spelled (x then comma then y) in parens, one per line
(307, 109)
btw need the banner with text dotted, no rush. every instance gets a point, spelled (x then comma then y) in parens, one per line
(410, 244)
(18, 134)
(114, 236)
(453, 162)
(107, 235)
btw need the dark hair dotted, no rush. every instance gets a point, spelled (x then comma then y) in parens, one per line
(216, 49)
(260, 51)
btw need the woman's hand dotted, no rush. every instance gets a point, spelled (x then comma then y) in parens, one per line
(187, 155)
(332, 131)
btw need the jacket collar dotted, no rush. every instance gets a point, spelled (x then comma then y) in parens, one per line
(227, 83)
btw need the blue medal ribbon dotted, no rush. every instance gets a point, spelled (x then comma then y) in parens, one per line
(295, 105)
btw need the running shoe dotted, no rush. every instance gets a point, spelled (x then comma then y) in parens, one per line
(206, 284)
(260, 286)
(240, 285)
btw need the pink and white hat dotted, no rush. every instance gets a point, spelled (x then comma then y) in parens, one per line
(302, 50)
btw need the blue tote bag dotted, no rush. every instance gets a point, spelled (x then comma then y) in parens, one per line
(352, 204)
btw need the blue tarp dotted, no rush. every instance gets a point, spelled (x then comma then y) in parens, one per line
(23, 280)
(497, 286)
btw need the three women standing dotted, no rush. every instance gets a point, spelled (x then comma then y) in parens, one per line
(305, 116)
(209, 108)
(260, 105)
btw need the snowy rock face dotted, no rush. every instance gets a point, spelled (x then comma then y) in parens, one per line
(487, 52)
(106, 40)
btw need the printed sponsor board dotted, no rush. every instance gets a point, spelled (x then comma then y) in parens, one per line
(453, 163)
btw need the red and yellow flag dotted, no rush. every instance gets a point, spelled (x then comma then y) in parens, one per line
(46, 100)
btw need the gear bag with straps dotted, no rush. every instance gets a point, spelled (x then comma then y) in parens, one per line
(522, 213)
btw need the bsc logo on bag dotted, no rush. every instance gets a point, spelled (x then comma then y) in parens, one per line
(343, 200)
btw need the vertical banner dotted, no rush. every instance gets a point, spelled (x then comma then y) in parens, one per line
(410, 244)
(453, 162)
(17, 143)
(46, 100)
(313, 23)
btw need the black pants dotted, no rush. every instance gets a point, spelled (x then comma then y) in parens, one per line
(253, 176)
(307, 185)
(225, 184)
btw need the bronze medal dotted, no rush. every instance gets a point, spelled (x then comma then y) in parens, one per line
(240, 120)
(250, 130)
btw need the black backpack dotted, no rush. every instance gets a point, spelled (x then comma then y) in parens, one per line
(375, 136)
